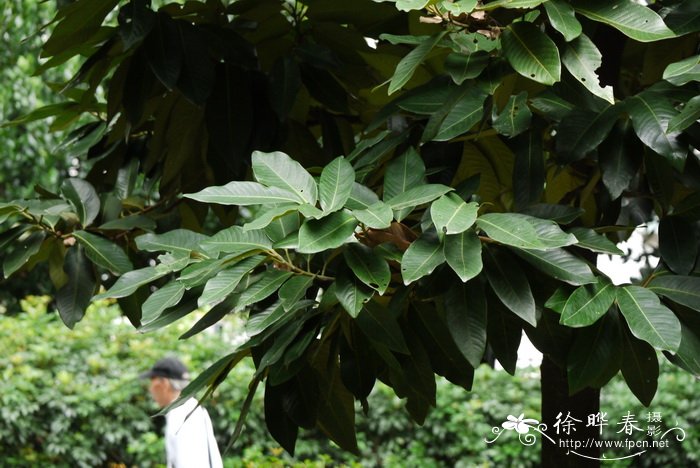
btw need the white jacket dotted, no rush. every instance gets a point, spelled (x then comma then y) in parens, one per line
(189, 441)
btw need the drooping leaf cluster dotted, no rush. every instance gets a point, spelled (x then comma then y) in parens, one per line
(385, 189)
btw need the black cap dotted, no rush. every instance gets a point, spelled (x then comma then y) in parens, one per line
(169, 367)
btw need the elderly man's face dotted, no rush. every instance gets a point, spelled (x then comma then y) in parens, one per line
(161, 391)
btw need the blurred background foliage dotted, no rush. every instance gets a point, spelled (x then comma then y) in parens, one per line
(72, 398)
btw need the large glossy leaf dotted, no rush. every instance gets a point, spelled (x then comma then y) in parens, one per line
(130, 222)
(528, 169)
(465, 315)
(648, 319)
(370, 268)
(683, 17)
(403, 173)
(463, 254)
(336, 184)
(104, 253)
(24, 250)
(511, 285)
(531, 53)
(504, 335)
(591, 240)
(351, 293)
(559, 264)
(588, 303)
(265, 218)
(421, 258)
(687, 117)
(651, 114)
(619, 158)
(581, 131)
(678, 244)
(162, 299)
(511, 4)
(269, 282)
(294, 290)
(688, 355)
(84, 199)
(451, 215)
(279, 170)
(361, 197)
(515, 116)
(463, 67)
(408, 65)
(594, 357)
(129, 282)
(685, 71)
(326, 233)
(380, 326)
(582, 58)
(681, 289)
(236, 240)
(563, 18)
(464, 112)
(377, 216)
(417, 196)
(176, 241)
(244, 194)
(639, 22)
(640, 368)
(226, 281)
(523, 231)
(74, 297)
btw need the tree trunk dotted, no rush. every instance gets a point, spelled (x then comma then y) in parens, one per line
(555, 400)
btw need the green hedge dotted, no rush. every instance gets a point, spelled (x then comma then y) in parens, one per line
(71, 398)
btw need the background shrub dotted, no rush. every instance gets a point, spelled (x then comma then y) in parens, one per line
(72, 398)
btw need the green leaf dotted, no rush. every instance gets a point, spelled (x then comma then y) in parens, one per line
(463, 67)
(523, 231)
(504, 334)
(417, 196)
(531, 53)
(421, 258)
(687, 117)
(408, 5)
(369, 268)
(557, 301)
(582, 58)
(528, 169)
(82, 195)
(451, 215)
(104, 253)
(651, 114)
(581, 131)
(510, 285)
(551, 105)
(278, 170)
(326, 233)
(351, 294)
(236, 240)
(377, 216)
(619, 158)
(648, 319)
(269, 282)
(283, 227)
(226, 281)
(410, 63)
(559, 264)
(244, 194)
(465, 314)
(336, 184)
(465, 112)
(265, 218)
(595, 355)
(688, 355)
(640, 368)
(632, 19)
(403, 173)
(293, 290)
(128, 223)
(361, 197)
(463, 254)
(176, 241)
(685, 71)
(683, 17)
(26, 249)
(162, 299)
(380, 326)
(678, 244)
(591, 240)
(563, 18)
(515, 116)
(511, 4)
(74, 297)
(129, 282)
(684, 290)
(588, 303)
